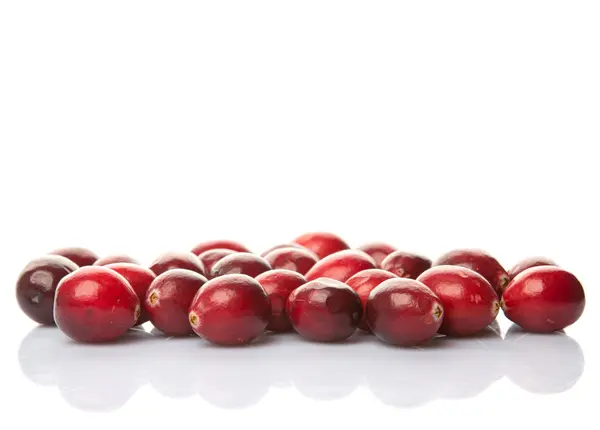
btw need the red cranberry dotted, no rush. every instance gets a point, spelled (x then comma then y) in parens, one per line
(287, 245)
(177, 260)
(322, 243)
(406, 264)
(295, 259)
(279, 284)
(95, 304)
(140, 278)
(324, 310)
(378, 251)
(230, 310)
(528, 263)
(479, 261)
(36, 286)
(469, 301)
(404, 312)
(219, 244)
(240, 263)
(363, 283)
(544, 299)
(115, 258)
(341, 265)
(168, 300)
(80, 256)
(209, 258)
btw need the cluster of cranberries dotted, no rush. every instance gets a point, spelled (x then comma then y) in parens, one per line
(315, 285)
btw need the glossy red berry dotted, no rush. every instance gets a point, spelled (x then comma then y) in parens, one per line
(481, 262)
(230, 310)
(140, 278)
(115, 258)
(219, 244)
(341, 265)
(404, 312)
(95, 304)
(378, 251)
(287, 245)
(469, 301)
(295, 259)
(324, 310)
(240, 263)
(177, 260)
(363, 283)
(169, 298)
(322, 243)
(36, 286)
(209, 258)
(544, 299)
(279, 284)
(528, 263)
(406, 264)
(80, 256)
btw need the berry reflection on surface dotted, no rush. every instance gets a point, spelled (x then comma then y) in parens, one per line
(105, 377)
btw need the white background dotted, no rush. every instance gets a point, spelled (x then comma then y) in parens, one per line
(144, 126)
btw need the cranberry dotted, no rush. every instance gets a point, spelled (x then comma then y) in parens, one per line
(209, 258)
(406, 264)
(279, 284)
(322, 243)
(230, 310)
(298, 260)
(240, 263)
(168, 300)
(363, 283)
(378, 251)
(115, 258)
(288, 245)
(544, 299)
(469, 301)
(341, 265)
(219, 244)
(95, 304)
(36, 286)
(528, 263)
(479, 261)
(139, 278)
(177, 260)
(80, 256)
(404, 312)
(324, 310)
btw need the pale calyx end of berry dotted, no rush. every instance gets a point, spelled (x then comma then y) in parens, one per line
(194, 319)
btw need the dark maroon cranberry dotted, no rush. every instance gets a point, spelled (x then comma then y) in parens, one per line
(377, 250)
(169, 298)
(363, 283)
(406, 264)
(80, 256)
(36, 286)
(115, 258)
(529, 263)
(219, 244)
(95, 304)
(341, 265)
(209, 258)
(177, 260)
(287, 245)
(240, 263)
(324, 310)
(295, 259)
(481, 262)
(322, 243)
(140, 278)
(230, 310)
(404, 312)
(279, 284)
